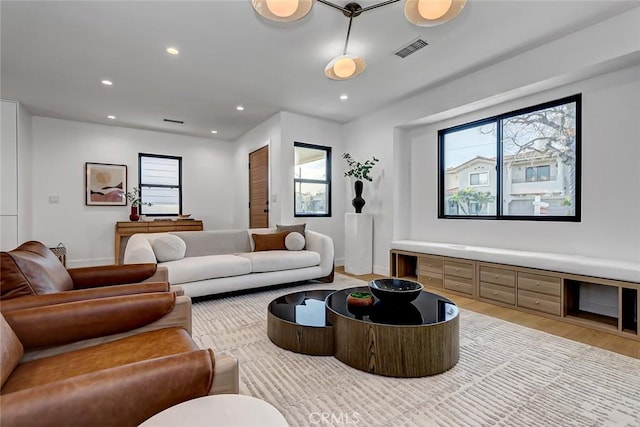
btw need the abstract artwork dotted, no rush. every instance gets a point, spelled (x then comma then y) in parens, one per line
(105, 184)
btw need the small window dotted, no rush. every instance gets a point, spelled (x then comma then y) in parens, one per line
(538, 173)
(160, 181)
(312, 180)
(480, 178)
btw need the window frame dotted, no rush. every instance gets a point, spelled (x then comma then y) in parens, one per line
(141, 185)
(497, 120)
(327, 182)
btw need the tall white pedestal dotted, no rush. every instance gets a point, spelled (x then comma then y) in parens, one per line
(358, 243)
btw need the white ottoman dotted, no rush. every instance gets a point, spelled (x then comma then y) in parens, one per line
(229, 410)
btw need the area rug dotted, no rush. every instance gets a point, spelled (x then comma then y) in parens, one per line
(508, 375)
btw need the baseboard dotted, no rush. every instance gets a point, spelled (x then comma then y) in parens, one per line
(383, 271)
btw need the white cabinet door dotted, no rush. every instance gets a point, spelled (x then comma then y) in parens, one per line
(8, 232)
(8, 159)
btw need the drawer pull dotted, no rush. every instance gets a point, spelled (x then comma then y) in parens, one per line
(457, 269)
(537, 283)
(495, 276)
(495, 292)
(537, 302)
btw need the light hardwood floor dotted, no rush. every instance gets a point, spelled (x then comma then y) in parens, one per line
(576, 333)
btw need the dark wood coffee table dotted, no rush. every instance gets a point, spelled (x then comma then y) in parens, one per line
(410, 340)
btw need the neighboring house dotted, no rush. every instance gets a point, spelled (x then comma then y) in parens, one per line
(535, 184)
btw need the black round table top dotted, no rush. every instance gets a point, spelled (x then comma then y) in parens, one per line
(309, 308)
(427, 309)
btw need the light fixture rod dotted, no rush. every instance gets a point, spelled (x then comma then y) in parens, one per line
(333, 5)
(374, 6)
(346, 42)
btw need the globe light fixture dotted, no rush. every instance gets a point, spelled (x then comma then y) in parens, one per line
(429, 13)
(282, 10)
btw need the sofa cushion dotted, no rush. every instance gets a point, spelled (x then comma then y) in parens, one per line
(269, 242)
(281, 260)
(293, 228)
(193, 269)
(32, 269)
(11, 350)
(294, 241)
(169, 248)
(218, 242)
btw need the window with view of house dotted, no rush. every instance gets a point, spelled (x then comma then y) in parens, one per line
(312, 180)
(160, 181)
(522, 165)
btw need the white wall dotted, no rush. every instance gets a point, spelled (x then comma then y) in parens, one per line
(61, 149)
(610, 45)
(610, 226)
(297, 128)
(280, 132)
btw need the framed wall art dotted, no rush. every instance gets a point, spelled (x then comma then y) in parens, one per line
(106, 184)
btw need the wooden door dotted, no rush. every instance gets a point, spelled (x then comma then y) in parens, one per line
(259, 188)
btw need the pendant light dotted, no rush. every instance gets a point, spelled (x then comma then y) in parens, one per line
(428, 13)
(346, 66)
(282, 10)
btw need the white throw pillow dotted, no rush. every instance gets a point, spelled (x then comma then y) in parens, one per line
(169, 248)
(294, 241)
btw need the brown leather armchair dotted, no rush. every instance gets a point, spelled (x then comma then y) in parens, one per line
(32, 269)
(119, 383)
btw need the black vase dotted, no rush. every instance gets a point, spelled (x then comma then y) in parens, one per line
(358, 202)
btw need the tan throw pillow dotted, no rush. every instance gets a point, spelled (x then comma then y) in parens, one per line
(270, 242)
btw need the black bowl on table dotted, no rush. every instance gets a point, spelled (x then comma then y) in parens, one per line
(395, 291)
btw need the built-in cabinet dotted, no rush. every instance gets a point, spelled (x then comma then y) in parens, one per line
(599, 303)
(14, 161)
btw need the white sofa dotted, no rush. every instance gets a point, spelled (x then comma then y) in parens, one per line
(224, 261)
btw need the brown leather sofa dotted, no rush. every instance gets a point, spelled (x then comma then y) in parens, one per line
(119, 383)
(32, 269)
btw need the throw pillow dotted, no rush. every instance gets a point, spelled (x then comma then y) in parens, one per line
(294, 241)
(298, 228)
(169, 248)
(269, 242)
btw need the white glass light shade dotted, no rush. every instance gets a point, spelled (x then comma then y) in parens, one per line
(282, 10)
(344, 67)
(428, 13)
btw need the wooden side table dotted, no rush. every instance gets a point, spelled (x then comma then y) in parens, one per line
(125, 229)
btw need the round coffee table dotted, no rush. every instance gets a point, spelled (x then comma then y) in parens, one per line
(229, 410)
(398, 340)
(409, 340)
(298, 322)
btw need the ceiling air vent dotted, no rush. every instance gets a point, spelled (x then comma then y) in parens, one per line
(411, 48)
(180, 122)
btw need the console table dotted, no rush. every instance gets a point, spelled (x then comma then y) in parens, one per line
(557, 286)
(125, 229)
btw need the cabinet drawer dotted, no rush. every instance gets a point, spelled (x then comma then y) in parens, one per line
(458, 269)
(459, 284)
(500, 293)
(429, 265)
(539, 283)
(430, 279)
(499, 276)
(540, 302)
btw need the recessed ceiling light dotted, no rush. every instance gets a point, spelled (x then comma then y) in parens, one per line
(240, 108)
(107, 82)
(111, 117)
(214, 131)
(344, 97)
(172, 51)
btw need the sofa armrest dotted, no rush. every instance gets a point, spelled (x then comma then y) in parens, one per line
(106, 275)
(323, 245)
(178, 317)
(59, 324)
(160, 275)
(226, 377)
(123, 395)
(81, 295)
(139, 250)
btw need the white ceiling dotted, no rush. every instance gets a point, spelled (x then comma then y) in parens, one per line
(54, 55)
